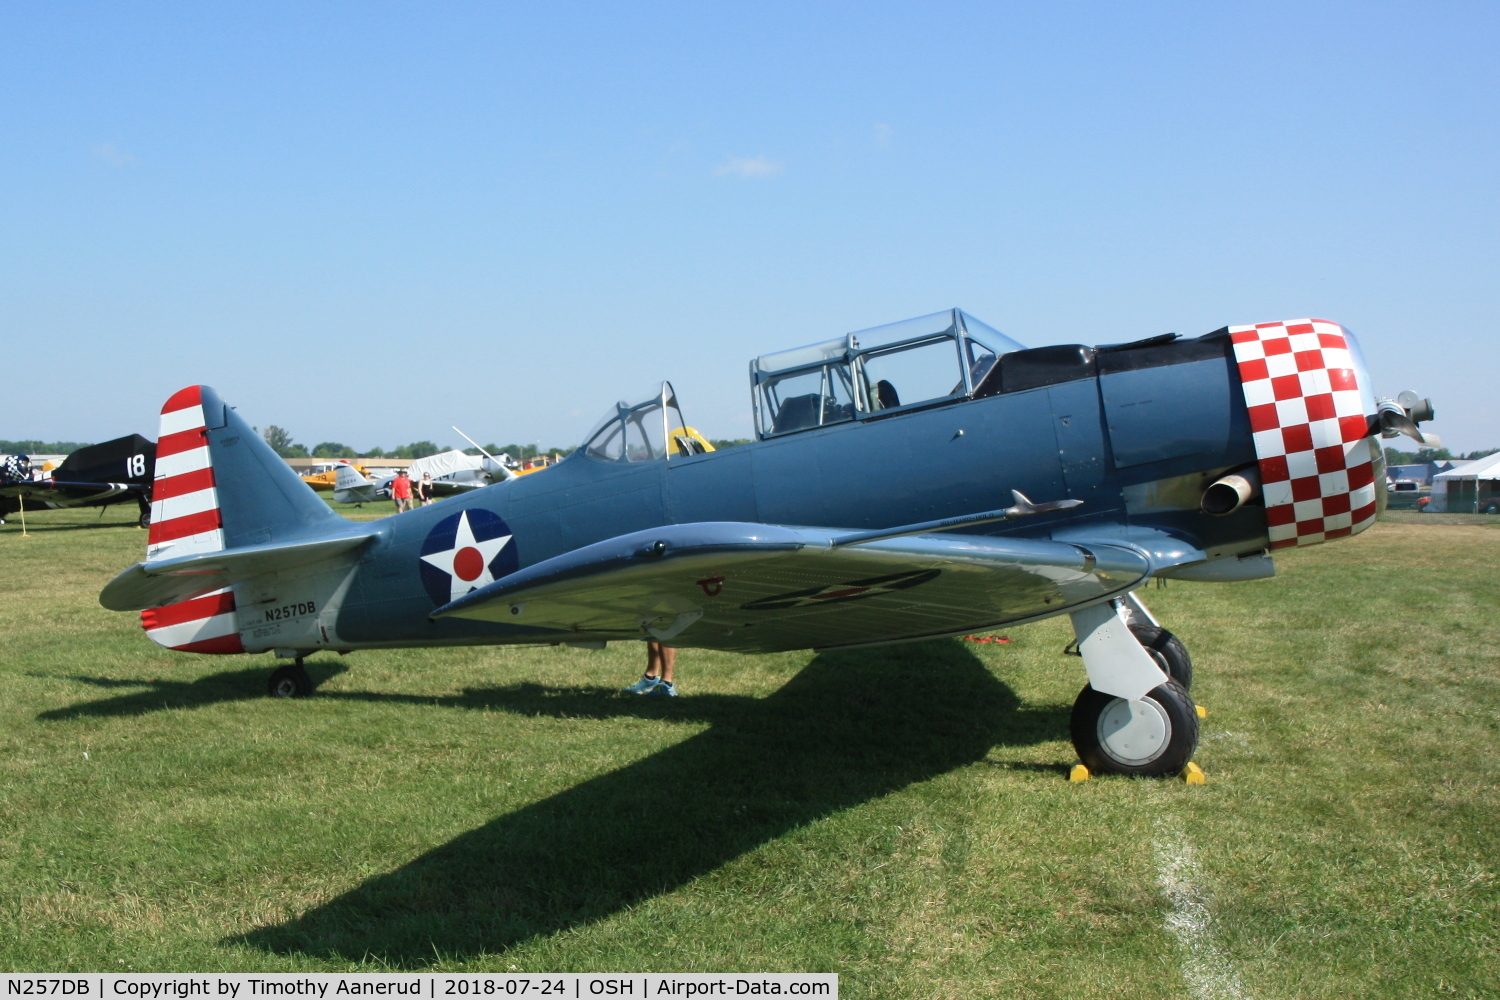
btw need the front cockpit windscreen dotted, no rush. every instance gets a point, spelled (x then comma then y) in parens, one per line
(985, 345)
(639, 431)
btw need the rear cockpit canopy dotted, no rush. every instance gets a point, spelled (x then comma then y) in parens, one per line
(915, 363)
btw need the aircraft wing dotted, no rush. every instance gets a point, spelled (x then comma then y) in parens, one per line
(760, 588)
(67, 494)
(448, 488)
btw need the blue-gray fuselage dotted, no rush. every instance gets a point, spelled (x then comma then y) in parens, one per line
(1137, 444)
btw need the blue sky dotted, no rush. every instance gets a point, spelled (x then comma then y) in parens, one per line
(366, 222)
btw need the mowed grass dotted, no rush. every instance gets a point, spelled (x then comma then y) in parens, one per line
(900, 816)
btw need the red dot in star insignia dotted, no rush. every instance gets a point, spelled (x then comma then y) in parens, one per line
(468, 564)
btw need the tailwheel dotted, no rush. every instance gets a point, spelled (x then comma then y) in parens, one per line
(1168, 652)
(1151, 738)
(290, 682)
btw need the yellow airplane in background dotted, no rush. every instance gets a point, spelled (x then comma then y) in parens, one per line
(325, 480)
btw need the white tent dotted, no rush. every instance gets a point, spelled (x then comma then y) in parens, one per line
(1471, 488)
(444, 464)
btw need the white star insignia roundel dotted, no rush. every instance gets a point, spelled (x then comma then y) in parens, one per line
(468, 562)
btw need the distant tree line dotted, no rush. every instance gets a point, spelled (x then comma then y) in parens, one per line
(41, 447)
(519, 451)
(282, 444)
(1423, 455)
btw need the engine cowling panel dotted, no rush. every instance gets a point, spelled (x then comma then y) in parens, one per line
(1312, 422)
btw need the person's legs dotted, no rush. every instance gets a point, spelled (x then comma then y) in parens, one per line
(653, 675)
(666, 658)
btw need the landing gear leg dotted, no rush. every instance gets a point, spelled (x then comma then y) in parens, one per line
(290, 682)
(1168, 651)
(1132, 718)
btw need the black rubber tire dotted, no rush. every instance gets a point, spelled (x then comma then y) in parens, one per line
(1169, 758)
(289, 682)
(1168, 651)
(145, 520)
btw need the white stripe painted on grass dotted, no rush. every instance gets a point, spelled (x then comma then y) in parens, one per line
(1205, 968)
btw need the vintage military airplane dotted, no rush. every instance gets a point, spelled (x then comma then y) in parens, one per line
(453, 472)
(326, 480)
(1056, 480)
(99, 475)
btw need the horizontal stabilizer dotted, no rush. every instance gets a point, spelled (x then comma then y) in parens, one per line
(167, 581)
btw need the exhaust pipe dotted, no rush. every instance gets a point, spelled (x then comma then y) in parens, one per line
(1228, 494)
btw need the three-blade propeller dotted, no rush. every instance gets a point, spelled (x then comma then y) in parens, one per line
(1401, 416)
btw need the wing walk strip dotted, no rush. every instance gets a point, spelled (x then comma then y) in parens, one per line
(185, 521)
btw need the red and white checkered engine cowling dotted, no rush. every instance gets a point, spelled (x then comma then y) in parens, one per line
(1311, 421)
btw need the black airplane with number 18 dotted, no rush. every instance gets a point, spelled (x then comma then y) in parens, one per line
(118, 471)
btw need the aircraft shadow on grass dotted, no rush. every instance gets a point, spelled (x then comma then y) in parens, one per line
(156, 695)
(849, 728)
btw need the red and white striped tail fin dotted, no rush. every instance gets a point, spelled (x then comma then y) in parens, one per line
(204, 624)
(185, 521)
(184, 501)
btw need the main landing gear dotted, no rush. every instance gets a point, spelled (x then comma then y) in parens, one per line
(290, 682)
(1135, 716)
(1153, 736)
(1167, 650)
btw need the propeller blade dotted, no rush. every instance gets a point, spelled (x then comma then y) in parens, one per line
(1395, 422)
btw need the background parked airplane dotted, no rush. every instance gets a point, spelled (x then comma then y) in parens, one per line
(328, 479)
(111, 472)
(452, 472)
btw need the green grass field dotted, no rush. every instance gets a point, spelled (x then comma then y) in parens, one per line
(900, 816)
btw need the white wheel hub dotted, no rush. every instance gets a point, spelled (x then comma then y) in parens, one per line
(1134, 732)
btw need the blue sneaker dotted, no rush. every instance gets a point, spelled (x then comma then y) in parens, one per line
(663, 689)
(643, 686)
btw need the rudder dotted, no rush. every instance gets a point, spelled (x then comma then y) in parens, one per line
(218, 486)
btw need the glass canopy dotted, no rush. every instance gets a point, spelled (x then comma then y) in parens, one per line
(915, 362)
(644, 431)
